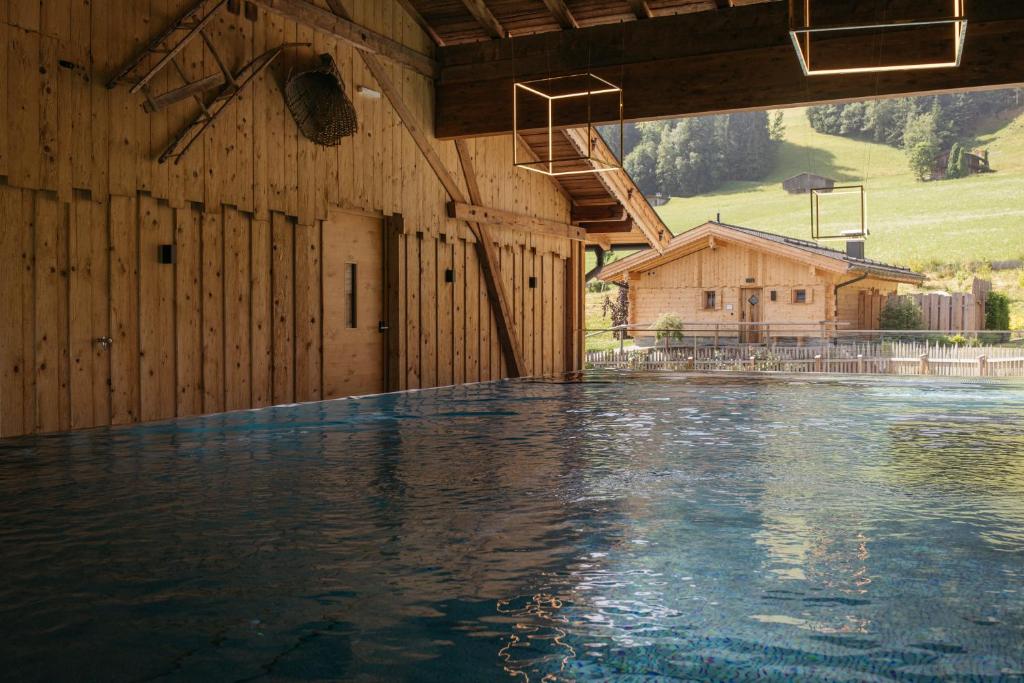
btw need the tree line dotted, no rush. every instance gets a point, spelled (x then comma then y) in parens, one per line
(686, 157)
(924, 127)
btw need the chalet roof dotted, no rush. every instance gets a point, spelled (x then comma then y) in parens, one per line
(831, 259)
(807, 174)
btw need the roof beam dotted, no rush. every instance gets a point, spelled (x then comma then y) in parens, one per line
(341, 27)
(561, 13)
(483, 15)
(516, 221)
(621, 186)
(596, 214)
(713, 70)
(606, 227)
(640, 9)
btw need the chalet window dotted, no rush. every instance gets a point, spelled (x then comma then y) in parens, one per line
(799, 296)
(710, 299)
(774, 295)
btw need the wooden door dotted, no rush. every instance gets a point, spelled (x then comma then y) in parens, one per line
(354, 343)
(750, 312)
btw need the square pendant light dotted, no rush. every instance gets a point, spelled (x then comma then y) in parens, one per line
(559, 101)
(845, 216)
(826, 44)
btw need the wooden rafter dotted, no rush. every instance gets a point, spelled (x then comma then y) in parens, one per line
(483, 15)
(621, 186)
(562, 14)
(515, 221)
(640, 9)
(337, 23)
(488, 257)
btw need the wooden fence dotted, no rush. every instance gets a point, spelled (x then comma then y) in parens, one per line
(888, 357)
(958, 312)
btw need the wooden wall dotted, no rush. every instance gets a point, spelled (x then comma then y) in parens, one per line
(678, 286)
(236, 321)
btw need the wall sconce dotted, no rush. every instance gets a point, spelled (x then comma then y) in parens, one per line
(533, 282)
(449, 275)
(943, 34)
(544, 98)
(165, 254)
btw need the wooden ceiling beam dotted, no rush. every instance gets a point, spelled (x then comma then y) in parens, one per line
(411, 10)
(337, 24)
(738, 60)
(562, 14)
(641, 9)
(593, 214)
(515, 221)
(486, 19)
(626, 225)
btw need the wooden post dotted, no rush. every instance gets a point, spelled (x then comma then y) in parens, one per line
(860, 363)
(622, 342)
(982, 366)
(817, 363)
(394, 275)
(923, 365)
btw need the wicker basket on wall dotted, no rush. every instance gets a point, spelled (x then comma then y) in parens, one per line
(319, 105)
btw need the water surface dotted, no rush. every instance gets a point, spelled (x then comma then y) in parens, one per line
(610, 527)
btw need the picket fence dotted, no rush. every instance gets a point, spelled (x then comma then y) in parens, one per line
(889, 357)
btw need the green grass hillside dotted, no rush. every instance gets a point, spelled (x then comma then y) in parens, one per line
(921, 225)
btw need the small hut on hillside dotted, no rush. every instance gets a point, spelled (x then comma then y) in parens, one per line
(802, 183)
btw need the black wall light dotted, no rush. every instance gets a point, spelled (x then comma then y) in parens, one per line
(449, 275)
(533, 282)
(165, 253)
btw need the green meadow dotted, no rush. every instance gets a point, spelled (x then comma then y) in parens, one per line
(918, 224)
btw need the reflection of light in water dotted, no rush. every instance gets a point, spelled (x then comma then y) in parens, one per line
(541, 623)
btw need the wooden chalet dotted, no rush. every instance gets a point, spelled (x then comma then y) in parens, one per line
(719, 274)
(181, 235)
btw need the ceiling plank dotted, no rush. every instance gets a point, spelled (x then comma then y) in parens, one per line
(483, 15)
(562, 14)
(411, 10)
(592, 214)
(640, 9)
(342, 28)
(626, 225)
(713, 71)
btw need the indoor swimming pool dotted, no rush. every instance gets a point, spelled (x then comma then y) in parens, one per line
(607, 526)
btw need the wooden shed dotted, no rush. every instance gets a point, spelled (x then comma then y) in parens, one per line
(719, 274)
(802, 183)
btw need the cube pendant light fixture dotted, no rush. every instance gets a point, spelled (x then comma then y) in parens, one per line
(571, 97)
(850, 196)
(825, 48)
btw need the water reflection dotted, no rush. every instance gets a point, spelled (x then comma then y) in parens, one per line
(710, 528)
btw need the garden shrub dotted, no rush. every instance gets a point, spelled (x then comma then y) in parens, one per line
(669, 327)
(901, 314)
(997, 312)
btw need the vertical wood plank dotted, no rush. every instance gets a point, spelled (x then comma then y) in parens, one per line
(308, 334)
(51, 244)
(213, 312)
(156, 312)
(188, 300)
(395, 276)
(102, 62)
(49, 123)
(428, 311)
(282, 278)
(80, 310)
(23, 111)
(261, 326)
(445, 311)
(5, 79)
(124, 306)
(237, 344)
(17, 413)
(459, 311)
(413, 241)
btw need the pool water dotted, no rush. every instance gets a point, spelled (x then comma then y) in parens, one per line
(610, 526)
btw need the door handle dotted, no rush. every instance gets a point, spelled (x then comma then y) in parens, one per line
(382, 326)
